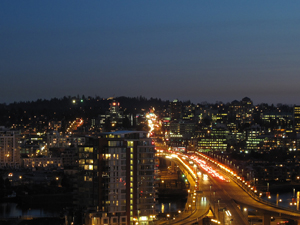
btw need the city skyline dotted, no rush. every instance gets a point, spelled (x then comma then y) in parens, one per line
(198, 51)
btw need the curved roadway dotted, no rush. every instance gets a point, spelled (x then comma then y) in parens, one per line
(222, 197)
(209, 195)
(193, 210)
(235, 190)
(218, 200)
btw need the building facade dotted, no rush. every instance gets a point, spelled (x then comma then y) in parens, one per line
(297, 119)
(116, 178)
(42, 162)
(9, 148)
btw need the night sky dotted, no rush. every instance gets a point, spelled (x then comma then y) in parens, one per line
(191, 50)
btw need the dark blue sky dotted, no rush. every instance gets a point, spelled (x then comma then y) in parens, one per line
(198, 50)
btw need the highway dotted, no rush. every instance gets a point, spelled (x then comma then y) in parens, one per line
(218, 199)
(206, 193)
(228, 197)
(239, 192)
(197, 204)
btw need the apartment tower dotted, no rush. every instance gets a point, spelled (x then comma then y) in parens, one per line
(116, 181)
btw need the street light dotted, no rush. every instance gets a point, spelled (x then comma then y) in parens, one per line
(168, 216)
(277, 199)
(294, 192)
(218, 208)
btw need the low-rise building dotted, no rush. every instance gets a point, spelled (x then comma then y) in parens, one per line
(9, 148)
(42, 162)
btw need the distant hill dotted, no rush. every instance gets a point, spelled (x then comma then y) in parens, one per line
(69, 108)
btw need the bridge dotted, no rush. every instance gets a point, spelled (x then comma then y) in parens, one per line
(221, 195)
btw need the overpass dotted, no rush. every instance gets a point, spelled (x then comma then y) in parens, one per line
(229, 197)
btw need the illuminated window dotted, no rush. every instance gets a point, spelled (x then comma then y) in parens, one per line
(107, 156)
(87, 149)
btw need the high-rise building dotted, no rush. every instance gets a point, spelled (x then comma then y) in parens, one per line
(241, 111)
(214, 139)
(115, 113)
(113, 118)
(297, 118)
(116, 179)
(9, 148)
(175, 110)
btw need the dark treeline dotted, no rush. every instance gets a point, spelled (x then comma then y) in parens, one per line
(64, 109)
(70, 107)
